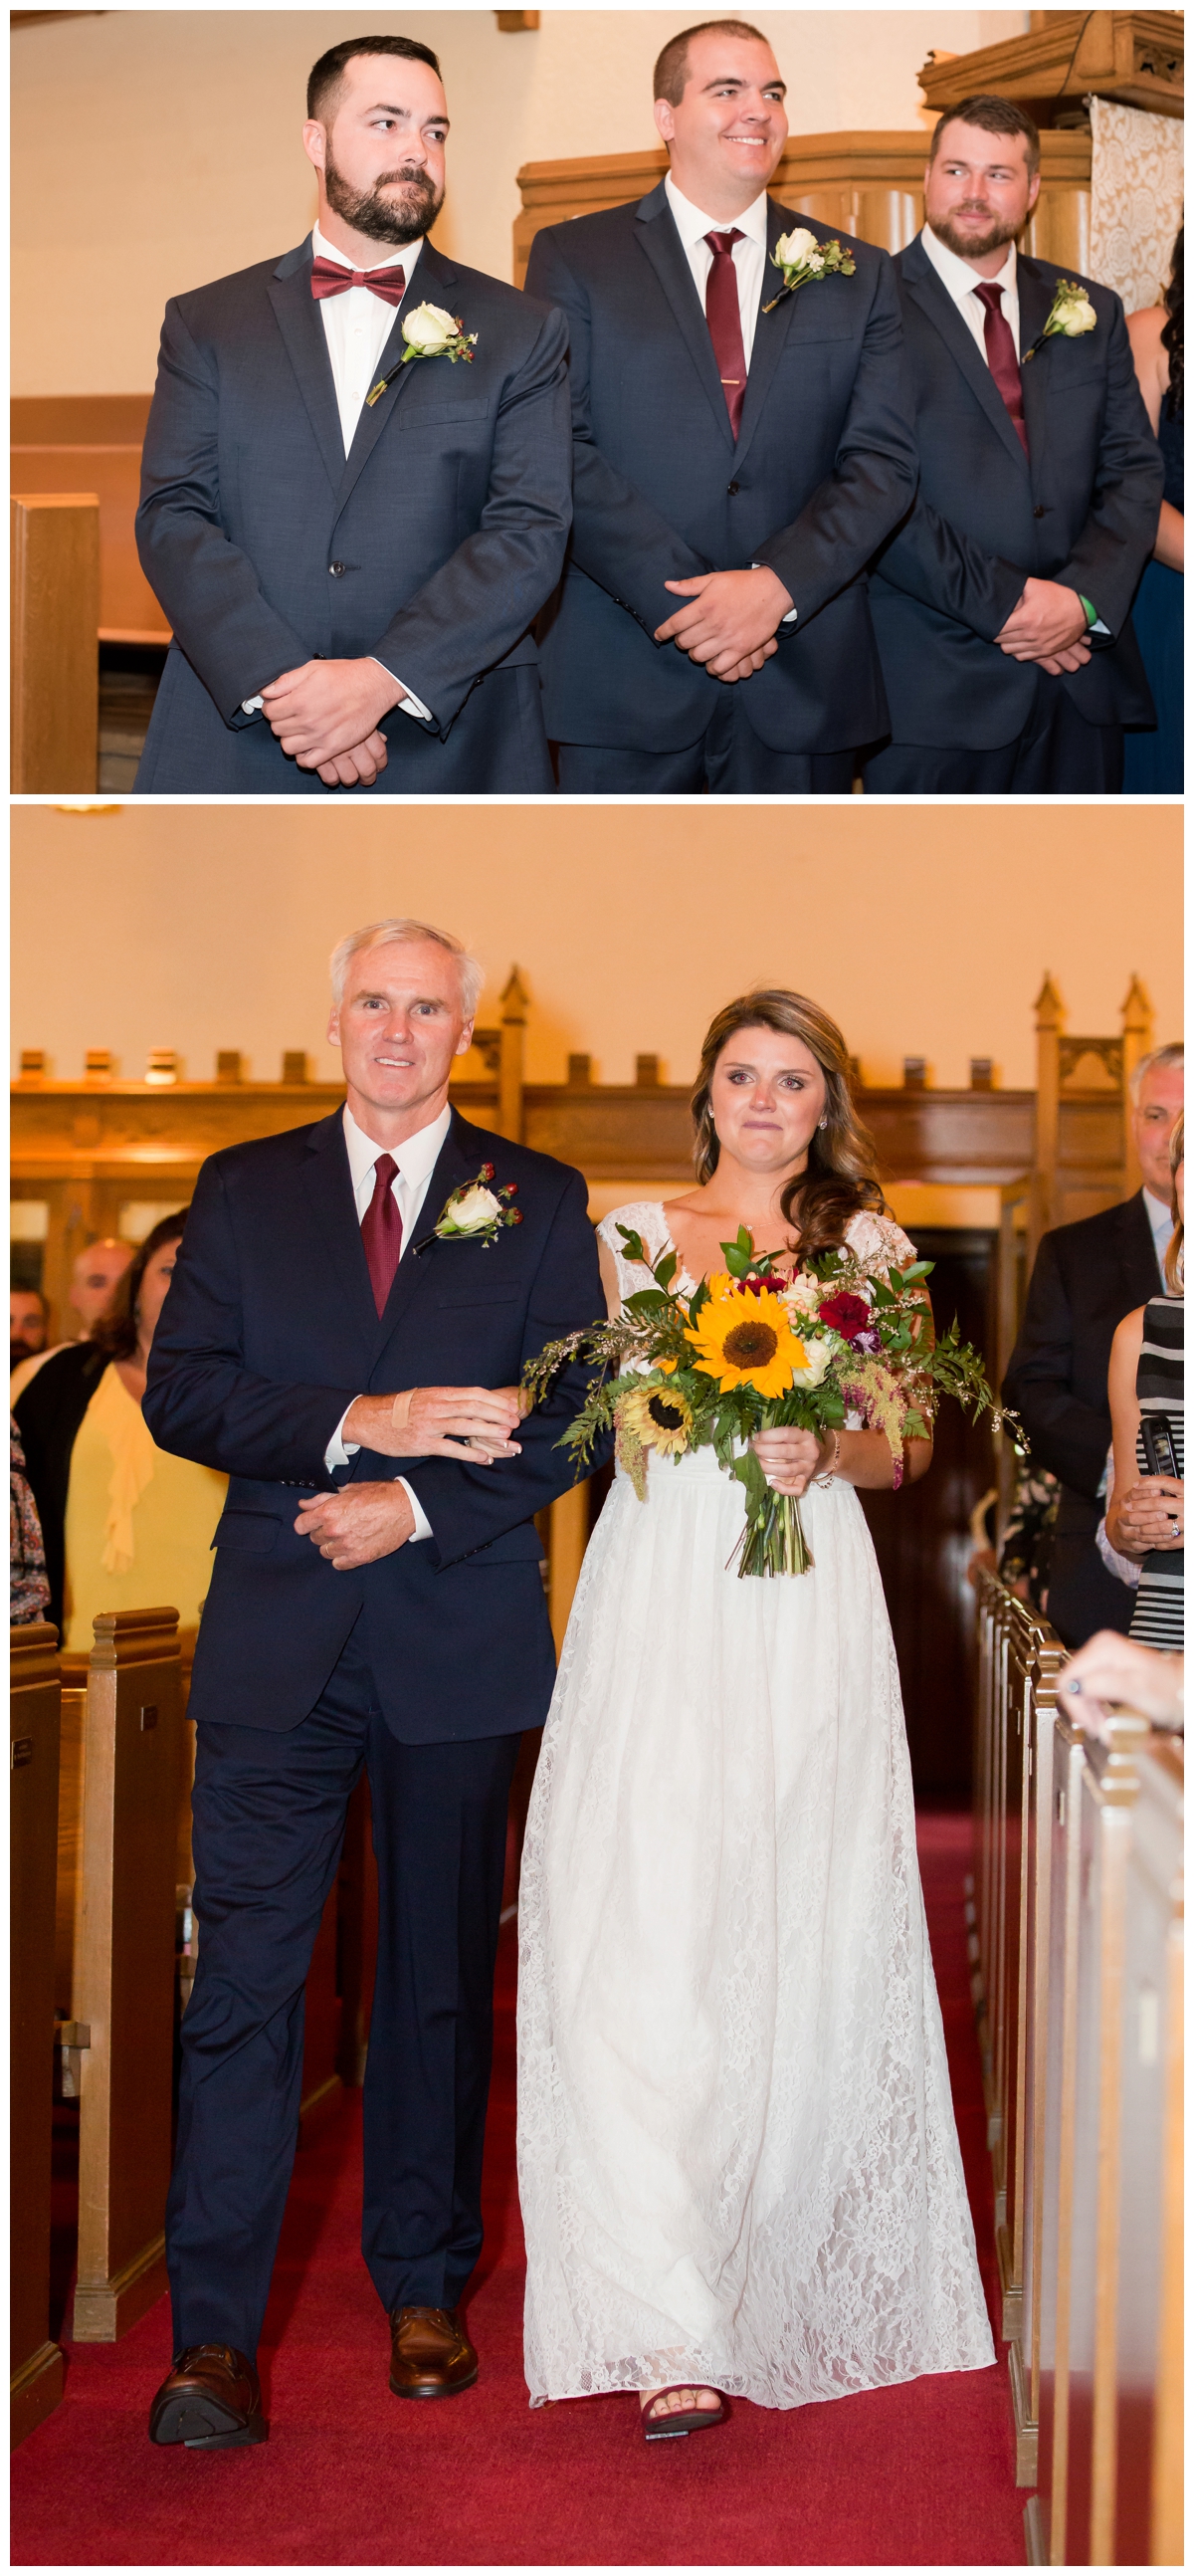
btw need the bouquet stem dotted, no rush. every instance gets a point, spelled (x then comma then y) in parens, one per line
(773, 1541)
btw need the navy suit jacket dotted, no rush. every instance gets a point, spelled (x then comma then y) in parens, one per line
(268, 1332)
(1085, 1279)
(1082, 508)
(433, 544)
(823, 467)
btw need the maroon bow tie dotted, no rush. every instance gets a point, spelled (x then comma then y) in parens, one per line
(328, 278)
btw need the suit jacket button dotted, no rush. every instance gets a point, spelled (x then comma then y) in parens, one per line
(335, 570)
(1039, 511)
(731, 487)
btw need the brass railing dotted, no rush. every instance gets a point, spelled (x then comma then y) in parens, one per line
(1076, 1946)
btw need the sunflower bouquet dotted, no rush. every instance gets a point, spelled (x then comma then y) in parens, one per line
(756, 1349)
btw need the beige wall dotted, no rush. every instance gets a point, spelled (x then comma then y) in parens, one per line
(925, 930)
(154, 149)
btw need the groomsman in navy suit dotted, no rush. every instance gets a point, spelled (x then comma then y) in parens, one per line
(740, 451)
(1002, 603)
(376, 1602)
(352, 542)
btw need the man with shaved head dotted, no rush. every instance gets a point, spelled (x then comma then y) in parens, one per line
(741, 446)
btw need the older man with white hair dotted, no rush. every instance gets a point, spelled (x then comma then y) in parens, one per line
(350, 1313)
(1086, 1278)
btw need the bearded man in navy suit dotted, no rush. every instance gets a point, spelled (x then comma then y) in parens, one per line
(352, 529)
(1002, 603)
(321, 1333)
(740, 451)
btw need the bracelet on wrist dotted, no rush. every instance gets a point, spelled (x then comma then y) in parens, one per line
(827, 1477)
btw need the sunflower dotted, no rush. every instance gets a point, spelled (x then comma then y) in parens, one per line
(660, 1417)
(743, 1337)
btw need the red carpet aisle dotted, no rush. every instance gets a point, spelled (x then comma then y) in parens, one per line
(914, 2476)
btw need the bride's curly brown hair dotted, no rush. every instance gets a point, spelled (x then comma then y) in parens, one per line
(841, 1176)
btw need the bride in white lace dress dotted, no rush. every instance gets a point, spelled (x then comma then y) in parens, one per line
(738, 2164)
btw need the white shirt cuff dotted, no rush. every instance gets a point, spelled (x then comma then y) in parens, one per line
(339, 1451)
(422, 1527)
(336, 1454)
(411, 706)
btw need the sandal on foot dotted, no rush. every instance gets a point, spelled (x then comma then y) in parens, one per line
(694, 2419)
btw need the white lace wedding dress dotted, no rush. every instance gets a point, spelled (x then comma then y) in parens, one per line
(737, 2156)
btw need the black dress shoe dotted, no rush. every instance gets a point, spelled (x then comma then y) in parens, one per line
(430, 2353)
(211, 2400)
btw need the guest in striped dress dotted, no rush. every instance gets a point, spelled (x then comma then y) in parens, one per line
(1146, 1514)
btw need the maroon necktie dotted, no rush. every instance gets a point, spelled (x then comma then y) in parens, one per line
(381, 1231)
(328, 278)
(1001, 355)
(724, 318)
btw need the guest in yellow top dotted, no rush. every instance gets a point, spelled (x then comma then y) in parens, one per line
(126, 1526)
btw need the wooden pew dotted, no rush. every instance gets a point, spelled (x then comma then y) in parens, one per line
(36, 2363)
(1110, 2220)
(123, 1983)
(1020, 1657)
(1077, 1943)
(55, 669)
(95, 440)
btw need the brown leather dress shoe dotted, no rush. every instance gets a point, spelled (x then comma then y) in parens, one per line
(211, 2400)
(430, 2353)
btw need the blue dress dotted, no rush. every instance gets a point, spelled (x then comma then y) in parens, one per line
(1153, 763)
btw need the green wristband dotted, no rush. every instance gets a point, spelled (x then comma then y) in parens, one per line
(1092, 614)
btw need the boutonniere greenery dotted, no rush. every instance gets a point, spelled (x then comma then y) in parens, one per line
(429, 332)
(801, 257)
(1070, 314)
(475, 1212)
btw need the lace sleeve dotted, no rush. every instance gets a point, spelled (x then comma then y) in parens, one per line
(647, 1218)
(880, 1240)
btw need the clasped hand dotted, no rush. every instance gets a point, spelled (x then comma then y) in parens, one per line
(1046, 625)
(362, 1522)
(1151, 1515)
(728, 621)
(326, 714)
(790, 1459)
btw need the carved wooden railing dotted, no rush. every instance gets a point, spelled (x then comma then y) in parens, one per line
(868, 184)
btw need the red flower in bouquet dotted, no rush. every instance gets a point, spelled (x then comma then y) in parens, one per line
(848, 1315)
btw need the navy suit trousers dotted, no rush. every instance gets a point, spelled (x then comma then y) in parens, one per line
(269, 1813)
(1057, 754)
(728, 759)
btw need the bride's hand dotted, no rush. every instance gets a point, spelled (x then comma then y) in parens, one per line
(791, 1459)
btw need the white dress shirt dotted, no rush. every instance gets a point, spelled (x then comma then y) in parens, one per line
(750, 254)
(750, 261)
(356, 327)
(961, 281)
(416, 1160)
(1161, 1222)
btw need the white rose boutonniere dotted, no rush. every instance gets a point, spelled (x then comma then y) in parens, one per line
(801, 258)
(476, 1211)
(1071, 314)
(429, 332)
